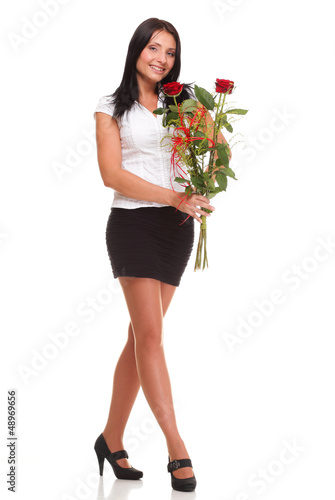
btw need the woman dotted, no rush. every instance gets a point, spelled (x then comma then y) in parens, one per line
(149, 241)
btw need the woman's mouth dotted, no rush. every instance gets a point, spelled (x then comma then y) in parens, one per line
(156, 68)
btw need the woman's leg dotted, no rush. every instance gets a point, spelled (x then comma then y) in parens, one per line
(126, 385)
(144, 302)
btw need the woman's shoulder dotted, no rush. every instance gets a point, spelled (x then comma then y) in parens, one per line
(105, 105)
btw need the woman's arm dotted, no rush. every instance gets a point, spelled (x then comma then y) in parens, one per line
(131, 185)
(115, 177)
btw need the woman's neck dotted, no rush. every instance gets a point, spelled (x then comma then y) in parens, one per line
(146, 90)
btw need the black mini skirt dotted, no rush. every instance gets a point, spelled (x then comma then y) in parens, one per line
(149, 242)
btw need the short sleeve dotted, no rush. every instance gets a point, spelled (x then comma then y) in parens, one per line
(105, 106)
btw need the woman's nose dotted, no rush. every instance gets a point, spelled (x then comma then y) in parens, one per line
(161, 57)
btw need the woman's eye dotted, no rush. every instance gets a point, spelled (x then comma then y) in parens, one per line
(170, 53)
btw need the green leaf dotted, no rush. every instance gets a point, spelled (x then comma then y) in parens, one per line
(237, 111)
(170, 117)
(218, 162)
(173, 108)
(203, 145)
(189, 105)
(221, 179)
(228, 171)
(180, 180)
(189, 190)
(197, 181)
(211, 184)
(221, 146)
(228, 126)
(222, 154)
(204, 97)
(199, 134)
(215, 192)
(221, 121)
(160, 111)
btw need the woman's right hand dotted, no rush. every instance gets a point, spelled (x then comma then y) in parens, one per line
(192, 204)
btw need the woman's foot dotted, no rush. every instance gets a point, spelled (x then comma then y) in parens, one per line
(178, 451)
(116, 445)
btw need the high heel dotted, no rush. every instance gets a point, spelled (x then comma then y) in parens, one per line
(186, 484)
(102, 451)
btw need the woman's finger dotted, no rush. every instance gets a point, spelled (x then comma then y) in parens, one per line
(204, 200)
(196, 210)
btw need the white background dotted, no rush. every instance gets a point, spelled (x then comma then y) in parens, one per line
(243, 394)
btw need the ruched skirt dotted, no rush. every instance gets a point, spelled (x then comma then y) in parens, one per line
(149, 242)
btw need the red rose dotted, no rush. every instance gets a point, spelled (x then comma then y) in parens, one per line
(173, 89)
(222, 86)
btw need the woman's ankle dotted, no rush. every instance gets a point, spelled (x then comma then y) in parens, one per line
(177, 449)
(114, 443)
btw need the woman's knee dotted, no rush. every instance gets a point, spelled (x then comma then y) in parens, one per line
(148, 338)
(144, 301)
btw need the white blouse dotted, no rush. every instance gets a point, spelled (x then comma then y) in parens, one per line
(143, 153)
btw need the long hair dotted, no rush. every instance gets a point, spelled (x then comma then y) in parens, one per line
(128, 92)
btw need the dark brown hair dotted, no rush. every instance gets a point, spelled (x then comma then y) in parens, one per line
(128, 92)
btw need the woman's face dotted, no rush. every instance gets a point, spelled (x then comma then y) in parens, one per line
(157, 58)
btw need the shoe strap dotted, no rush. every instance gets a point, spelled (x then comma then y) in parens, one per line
(178, 464)
(116, 455)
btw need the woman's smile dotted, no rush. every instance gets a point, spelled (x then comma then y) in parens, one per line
(161, 48)
(157, 69)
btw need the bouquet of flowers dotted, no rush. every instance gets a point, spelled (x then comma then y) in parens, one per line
(198, 146)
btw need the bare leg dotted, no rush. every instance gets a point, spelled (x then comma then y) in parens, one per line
(126, 385)
(144, 302)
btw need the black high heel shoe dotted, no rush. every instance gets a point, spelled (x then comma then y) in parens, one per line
(103, 452)
(186, 484)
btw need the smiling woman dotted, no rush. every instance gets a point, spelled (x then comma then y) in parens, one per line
(157, 56)
(154, 63)
(149, 239)
(153, 59)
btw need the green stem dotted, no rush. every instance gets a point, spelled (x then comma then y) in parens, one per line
(217, 129)
(201, 260)
(211, 156)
